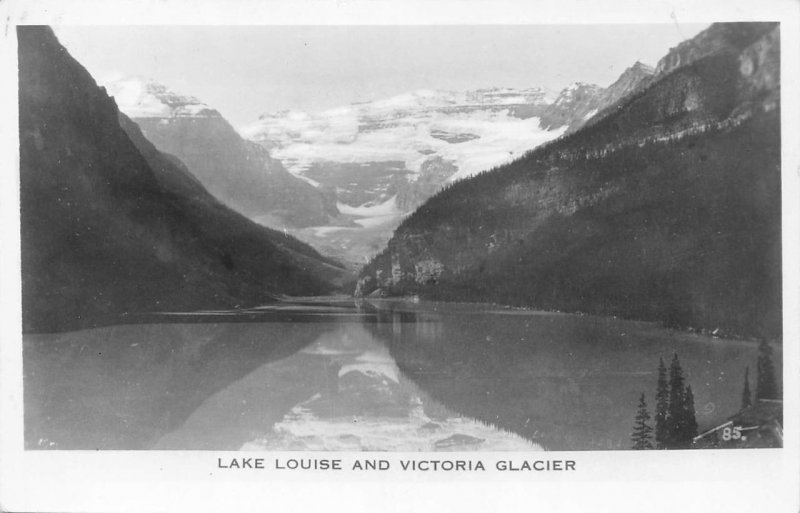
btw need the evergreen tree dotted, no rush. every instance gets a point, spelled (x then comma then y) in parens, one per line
(641, 429)
(662, 406)
(690, 420)
(746, 400)
(766, 388)
(677, 405)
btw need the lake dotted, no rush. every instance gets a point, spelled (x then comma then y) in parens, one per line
(381, 375)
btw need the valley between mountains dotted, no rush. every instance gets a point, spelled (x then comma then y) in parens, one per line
(486, 269)
(655, 197)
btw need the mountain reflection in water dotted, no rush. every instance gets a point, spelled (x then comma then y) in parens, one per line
(383, 375)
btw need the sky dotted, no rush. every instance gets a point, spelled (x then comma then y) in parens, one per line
(245, 71)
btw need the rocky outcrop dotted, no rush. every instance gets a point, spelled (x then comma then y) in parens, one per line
(759, 73)
(637, 76)
(434, 172)
(574, 105)
(719, 37)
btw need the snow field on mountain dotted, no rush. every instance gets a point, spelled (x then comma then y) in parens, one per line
(400, 129)
(140, 98)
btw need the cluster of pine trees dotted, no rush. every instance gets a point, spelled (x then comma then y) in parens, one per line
(675, 422)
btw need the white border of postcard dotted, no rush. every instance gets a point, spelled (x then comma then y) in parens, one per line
(143, 481)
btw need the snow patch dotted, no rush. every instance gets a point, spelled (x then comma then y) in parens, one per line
(322, 231)
(387, 208)
(141, 98)
(499, 136)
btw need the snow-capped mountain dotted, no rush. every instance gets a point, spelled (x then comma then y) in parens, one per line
(342, 179)
(240, 173)
(472, 130)
(146, 98)
(384, 158)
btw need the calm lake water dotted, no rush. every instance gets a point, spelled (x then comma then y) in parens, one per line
(324, 374)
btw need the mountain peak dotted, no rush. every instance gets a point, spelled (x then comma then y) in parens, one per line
(577, 92)
(140, 97)
(580, 85)
(641, 67)
(633, 74)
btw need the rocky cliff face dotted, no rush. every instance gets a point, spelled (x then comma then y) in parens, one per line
(759, 73)
(638, 75)
(719, 37)
(667, 208)
(239, 173)
(434, 171)
(635, 78)
(112, 227)
(574, 105)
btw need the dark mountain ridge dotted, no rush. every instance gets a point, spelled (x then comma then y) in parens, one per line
(110, 226)
(667, 208)
(718, 39)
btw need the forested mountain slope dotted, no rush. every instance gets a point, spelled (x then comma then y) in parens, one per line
(666, 208)
(112, 227)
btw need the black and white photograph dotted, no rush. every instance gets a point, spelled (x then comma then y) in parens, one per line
(338, 244)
